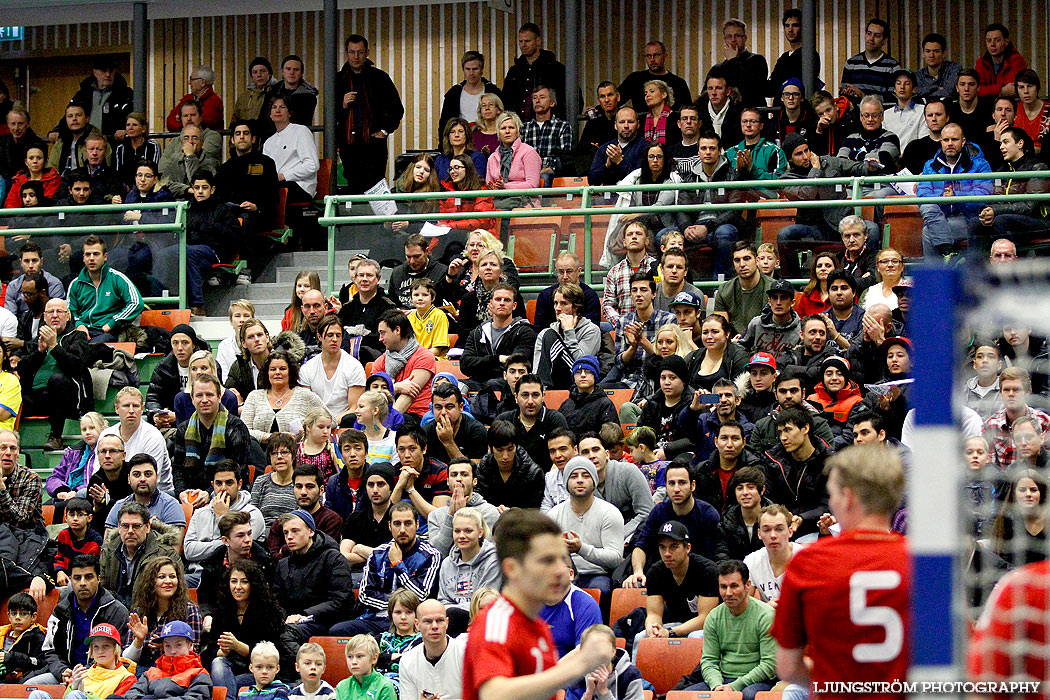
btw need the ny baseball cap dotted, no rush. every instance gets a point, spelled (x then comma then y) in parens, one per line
(675, 530)
(688, 299)
(103, 630)
(762, 359)
(780, 286)
(176, 628)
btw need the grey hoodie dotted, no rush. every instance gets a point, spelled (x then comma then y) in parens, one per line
(765, 335)
(627, 488)
(202, 532)
(439, 522)
(457, 579)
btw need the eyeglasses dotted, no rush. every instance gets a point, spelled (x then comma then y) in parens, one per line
(280, 453)
(655, 156)
(566, 271)
(131, 526)
(455, 168)
(791, 94)
(890, 261)
(870, 116)
(110, 451)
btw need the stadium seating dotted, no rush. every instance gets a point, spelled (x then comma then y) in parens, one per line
(624, 600)
(663, 662)
(451, 366)
(904, 224)
(166, 318)
(705, 695)
(534, 242)
(335, 652)
(14, 690)
(44, 609)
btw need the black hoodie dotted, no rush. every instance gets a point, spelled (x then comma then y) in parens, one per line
(588, 412)
(316, 582)
(801, 486)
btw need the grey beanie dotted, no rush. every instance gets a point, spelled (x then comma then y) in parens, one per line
(579, 463)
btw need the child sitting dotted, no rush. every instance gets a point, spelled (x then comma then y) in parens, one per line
(618, 679)
(364, 683)
(768, 259)
(310, 663)
(671, 239)
(401, 607)
(78, 537)
(178, 673)
(316, 447)
(265, 664)
(428, 321)
(109, 673)
(587, 406)
(230, 348)
(22, 640)
(642, 442)
(615, 441)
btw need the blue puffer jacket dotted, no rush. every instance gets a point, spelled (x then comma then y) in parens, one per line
(970, 161)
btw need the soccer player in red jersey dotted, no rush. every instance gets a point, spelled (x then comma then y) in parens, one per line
(510, 653)
(1010, 638)
(847, 597)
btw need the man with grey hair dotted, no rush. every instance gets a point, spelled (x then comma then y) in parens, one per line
(568, 268)
(63, 389)
(361, 314)
(184, 157)
(202, 93)
(874, 148)
(549, 135)
(20, 502)
(858, 259)
(1003, 251)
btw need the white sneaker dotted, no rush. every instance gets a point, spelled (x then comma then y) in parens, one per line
(214, 281)
(244, 278)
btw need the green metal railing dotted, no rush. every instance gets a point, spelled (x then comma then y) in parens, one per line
(851, 187)
(177, 225)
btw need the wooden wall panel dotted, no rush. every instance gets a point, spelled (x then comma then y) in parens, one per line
(420, 44)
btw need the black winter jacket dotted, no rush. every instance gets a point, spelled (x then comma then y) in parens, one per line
(164, 386)
(24, 659)
(383, 100)
(709, 484)
(735, 542)
(24, 554)
(71, 356)
(480, 359)
(115, 114)
(316, 582)
(213, 223)
(801, 486)
(524, 489)
(588, 412)
(214, 567)
(58, 644)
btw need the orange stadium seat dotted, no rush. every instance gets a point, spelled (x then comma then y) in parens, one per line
(451, 366)
(534, 240)
(663, 662)
(43, 611)
(48, 512)
(624, 600)
(14, 690)
(167, 318)
(554, 398)
(335, 652)
(905, 228)
(705, 695)
(772, 220)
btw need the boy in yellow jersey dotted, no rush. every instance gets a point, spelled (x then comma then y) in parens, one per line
(429, 322)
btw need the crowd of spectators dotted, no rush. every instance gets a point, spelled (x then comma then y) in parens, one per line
(279, 477)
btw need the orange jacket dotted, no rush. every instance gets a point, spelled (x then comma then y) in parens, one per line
(449, 206)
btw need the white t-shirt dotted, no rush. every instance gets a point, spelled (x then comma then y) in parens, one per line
(468, 105)
(226, 356)
(762, 572)
(348, 373)
(8, 323)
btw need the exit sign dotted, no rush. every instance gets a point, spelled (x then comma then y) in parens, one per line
(12, 33)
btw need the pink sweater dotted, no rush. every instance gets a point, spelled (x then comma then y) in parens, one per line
(524, 169)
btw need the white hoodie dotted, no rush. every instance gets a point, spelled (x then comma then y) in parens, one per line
(202, 533)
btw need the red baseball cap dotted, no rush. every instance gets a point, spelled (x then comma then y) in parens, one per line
(762, 359)
(103, 630)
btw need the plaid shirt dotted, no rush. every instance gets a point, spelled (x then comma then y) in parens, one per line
(656, 131)
(552, 139)
(997, 430)
(616, 300)
(20, 504)
(632, 371)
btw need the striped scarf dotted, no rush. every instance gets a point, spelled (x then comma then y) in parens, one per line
(217, 448)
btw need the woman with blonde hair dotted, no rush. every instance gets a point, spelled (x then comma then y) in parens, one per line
(316, 448)
(470, 565)
(372, 409)
(671, 339)
(474, 307)
(462, 274)
(515, 165)
(889, 266)
(201, 362)
(485, 138)
(660, 124)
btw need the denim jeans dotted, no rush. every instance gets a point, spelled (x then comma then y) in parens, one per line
(939, 229)
(224, 672)
(749, 691)
(198, 259)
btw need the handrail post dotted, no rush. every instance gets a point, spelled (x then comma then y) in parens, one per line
(331, 246)
(182, 216)
(855, 195)
(585, 204)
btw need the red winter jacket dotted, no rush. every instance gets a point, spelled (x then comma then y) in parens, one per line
(991, 83)
(211, 111)
(449, 206)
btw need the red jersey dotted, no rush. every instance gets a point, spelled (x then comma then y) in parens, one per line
(505, 642)
(847, 598)
(1017, 611)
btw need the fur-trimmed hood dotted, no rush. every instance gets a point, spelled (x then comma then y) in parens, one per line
(292, 343)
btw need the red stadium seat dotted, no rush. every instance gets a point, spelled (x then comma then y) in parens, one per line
(663, 662)
(335, 668)
(624, 600)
